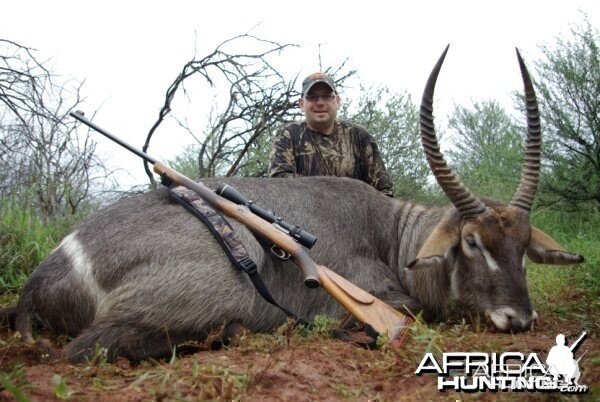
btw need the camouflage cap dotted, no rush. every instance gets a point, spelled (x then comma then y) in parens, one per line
(315, 78)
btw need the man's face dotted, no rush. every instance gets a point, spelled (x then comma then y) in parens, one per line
(320, 105)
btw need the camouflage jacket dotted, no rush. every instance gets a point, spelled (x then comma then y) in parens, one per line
(349, 151)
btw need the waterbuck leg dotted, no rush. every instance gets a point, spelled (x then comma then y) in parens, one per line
(137, 342)
(7, 316)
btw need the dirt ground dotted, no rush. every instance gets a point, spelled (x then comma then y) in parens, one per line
(284, 367)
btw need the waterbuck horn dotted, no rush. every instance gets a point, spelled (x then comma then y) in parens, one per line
(530, 173)
(465, 202)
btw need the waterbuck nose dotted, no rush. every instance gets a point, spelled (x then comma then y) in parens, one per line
(524, 322)
(507, 319)
(519, 325)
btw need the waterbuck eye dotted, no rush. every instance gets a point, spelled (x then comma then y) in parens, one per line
(471, 241)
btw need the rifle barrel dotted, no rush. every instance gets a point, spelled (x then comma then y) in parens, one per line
(574, 344)
(79, 115)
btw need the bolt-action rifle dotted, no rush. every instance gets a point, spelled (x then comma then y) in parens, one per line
(361, 304)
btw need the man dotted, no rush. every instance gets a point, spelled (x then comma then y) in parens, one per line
(322, 145)
(560, 360)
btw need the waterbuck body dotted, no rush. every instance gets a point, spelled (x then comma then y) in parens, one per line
(143, 275)
(145, 264)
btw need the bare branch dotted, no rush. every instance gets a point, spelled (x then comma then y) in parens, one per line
(43, 159)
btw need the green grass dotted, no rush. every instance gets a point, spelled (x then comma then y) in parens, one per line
(15, 383)
(25, 240)
(558, 291)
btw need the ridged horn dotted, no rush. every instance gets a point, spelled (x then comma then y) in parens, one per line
(530, 172)
(465, 202)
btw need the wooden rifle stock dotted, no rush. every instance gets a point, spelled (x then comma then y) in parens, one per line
(361, 304)
(366, 307)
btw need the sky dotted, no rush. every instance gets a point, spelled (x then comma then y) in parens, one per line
(129, 52)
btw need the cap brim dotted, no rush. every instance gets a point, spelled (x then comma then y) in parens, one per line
(312, 84)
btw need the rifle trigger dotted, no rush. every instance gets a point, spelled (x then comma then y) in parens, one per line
(279, 253)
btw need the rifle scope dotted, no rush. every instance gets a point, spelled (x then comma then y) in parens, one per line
(303, 237)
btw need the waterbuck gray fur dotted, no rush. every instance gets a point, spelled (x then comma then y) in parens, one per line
(142, 276)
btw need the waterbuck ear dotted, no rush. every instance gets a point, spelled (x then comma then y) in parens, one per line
(544, 250)
(446, 234)
(426, 262)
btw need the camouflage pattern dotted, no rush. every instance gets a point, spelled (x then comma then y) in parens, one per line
(218, 225)
(315, 78)
(349, 151)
